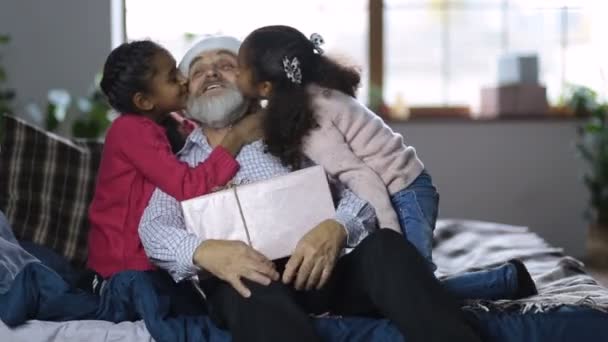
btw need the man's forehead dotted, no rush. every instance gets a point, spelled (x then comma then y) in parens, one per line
(211, 56)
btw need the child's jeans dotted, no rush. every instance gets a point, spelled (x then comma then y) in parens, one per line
(417, 207)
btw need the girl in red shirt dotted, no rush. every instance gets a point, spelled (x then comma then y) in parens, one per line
(141, 81)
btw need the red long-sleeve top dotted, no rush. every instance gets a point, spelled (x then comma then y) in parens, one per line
(137, 159)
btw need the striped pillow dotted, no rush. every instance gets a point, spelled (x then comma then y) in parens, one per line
(46, 185)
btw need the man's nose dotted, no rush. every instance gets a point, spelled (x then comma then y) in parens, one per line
(213, 73)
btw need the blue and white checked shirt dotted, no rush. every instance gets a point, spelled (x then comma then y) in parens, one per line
(162, 229)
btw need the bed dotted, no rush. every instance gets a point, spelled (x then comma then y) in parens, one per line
(570, 306)
(38, 168)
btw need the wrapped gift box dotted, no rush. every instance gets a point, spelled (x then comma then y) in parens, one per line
(270, 215)
(517, 99)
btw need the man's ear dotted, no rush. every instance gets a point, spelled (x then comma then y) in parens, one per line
(265, 89)
(142, 102)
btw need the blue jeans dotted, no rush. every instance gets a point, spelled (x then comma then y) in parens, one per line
(12, 257)
(491, 284)
(417, 209)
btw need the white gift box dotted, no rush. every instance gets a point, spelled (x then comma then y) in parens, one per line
(518, 69)
(270, 215)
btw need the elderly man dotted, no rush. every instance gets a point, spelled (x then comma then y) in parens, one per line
(262, 300)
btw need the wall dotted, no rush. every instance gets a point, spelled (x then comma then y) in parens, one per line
(518, 172)
(55, 44)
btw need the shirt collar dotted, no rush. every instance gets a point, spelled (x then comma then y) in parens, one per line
(195, 138)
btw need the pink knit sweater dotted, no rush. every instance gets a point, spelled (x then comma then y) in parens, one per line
(356, 146)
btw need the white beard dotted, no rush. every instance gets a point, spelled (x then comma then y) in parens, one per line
(217, 111)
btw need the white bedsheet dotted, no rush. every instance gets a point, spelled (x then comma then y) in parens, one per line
(85, 331)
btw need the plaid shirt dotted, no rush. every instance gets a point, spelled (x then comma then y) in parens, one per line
(163, 232)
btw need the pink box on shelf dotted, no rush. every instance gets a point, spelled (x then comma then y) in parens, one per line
(516, 99)
(270, 215)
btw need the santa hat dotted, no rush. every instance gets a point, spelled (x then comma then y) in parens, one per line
(211, 43)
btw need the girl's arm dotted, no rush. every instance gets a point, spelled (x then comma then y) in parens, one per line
(327, 147)
(147, 148)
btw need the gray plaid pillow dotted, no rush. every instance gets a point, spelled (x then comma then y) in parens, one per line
(46, 185)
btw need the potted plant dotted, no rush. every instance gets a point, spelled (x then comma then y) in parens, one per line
(593, 149)
(92, 114)
(95, 114)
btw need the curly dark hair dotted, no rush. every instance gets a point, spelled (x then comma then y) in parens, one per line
(289, 114)
(127, 70)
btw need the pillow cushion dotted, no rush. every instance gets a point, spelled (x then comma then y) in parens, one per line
(46, 185)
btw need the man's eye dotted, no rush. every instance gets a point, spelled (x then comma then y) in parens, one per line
(227, 67)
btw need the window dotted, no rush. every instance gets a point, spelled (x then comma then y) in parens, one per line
(436, 52)
(176, 25)
(442, 52)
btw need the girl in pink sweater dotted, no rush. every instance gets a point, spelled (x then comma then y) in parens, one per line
(312, 112)
(140, 80)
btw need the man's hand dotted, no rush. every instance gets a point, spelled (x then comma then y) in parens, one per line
(315, 256)
(232, 260)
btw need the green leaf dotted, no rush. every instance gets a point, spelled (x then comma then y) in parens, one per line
(593, 127)
(189, 36)
(589, 181)
(51, 120)
(600, 112)
(582, 100)
(585, 153)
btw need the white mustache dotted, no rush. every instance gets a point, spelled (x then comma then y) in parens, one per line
(218, 111)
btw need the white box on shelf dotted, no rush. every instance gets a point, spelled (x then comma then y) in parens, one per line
(518, 69)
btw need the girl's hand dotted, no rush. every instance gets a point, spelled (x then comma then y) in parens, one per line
(245, 131)
(249, 128)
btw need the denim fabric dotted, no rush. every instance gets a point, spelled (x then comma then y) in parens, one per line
(491, 284)
(417, 209)
(40, 293)
(12, 257)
